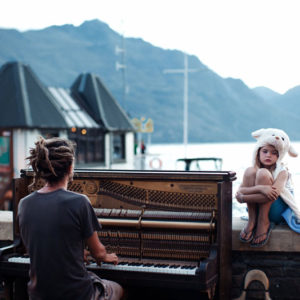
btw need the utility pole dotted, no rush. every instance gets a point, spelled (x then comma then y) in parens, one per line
(122, 66)
(185, 72)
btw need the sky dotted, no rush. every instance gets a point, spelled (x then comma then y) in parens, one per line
(257, 41)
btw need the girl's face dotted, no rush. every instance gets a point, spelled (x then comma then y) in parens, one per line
(268, 156)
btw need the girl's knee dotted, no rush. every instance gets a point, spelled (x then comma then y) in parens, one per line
(250, 176)
(264, 176)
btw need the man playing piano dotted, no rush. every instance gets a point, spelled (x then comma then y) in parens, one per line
(55, 225)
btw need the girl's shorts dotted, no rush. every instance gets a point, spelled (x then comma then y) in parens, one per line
(277, 208)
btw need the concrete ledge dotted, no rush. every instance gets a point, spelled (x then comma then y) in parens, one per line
(282, 239)
(6, 225)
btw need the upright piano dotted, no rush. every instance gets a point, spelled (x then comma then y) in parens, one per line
(170, 229)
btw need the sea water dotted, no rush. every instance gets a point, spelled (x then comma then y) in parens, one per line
(236, 157)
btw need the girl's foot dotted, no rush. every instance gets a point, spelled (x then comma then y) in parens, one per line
(247, 233)
(261, 239)
(246, 236)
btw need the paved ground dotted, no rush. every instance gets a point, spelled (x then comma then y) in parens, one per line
(157, 294)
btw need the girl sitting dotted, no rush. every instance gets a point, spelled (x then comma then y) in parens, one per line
(266, 187)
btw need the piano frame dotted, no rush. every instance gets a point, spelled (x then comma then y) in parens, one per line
(218, 183)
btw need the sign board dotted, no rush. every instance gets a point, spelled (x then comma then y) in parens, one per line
(143, 125)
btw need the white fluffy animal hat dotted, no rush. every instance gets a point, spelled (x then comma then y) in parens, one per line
(275, 137)
(280, 140)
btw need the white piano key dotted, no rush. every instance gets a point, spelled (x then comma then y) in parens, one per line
(145, 268)
(133, 267)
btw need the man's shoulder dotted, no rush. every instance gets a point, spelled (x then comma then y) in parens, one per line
(72, 194)
(75, 196)
(28, 197)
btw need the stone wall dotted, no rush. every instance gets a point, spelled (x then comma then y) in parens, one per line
(6, 225)
(279, 259)
(281, 268)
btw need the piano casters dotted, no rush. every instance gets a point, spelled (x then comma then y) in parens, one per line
(257, 275)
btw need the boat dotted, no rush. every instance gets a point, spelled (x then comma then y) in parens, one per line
(195, 163)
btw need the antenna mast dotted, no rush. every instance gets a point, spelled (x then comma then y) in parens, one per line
(122, 66)
(185, 72)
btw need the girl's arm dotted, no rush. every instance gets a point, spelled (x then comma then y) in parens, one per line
(262, 193)
(278, 185)
(249, 192)
(256, 189)
(254, 198)
(280, 181)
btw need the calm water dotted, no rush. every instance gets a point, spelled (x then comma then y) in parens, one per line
(236, 157)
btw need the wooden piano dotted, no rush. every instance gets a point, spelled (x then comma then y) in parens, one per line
(169, 229)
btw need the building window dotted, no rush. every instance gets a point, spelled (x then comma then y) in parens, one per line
(49, 133)
(90, 145)
(118, 147)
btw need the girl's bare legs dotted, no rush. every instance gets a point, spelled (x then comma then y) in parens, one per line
(263, 177)
(248, 181)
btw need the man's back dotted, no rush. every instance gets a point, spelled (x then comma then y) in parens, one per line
(53, 227)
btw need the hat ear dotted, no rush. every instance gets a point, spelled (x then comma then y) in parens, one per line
(292, 152)
(256, 134)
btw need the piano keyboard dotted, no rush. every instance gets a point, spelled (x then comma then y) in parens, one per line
(148, 267)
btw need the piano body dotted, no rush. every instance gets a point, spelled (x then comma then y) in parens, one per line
(169, 229)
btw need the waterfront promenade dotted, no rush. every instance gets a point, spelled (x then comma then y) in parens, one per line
(279, 259)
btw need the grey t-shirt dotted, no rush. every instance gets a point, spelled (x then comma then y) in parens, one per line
(53, 227)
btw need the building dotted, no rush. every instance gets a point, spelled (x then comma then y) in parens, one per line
(116, 130)
(87, 113)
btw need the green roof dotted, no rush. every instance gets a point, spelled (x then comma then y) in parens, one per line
(25, 101)
(99, 103)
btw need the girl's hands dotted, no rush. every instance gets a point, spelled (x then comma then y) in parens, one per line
(239, 197)
(270, 192)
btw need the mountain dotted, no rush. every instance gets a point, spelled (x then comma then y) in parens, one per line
(220, 109)
(290, 101)
(265, 93)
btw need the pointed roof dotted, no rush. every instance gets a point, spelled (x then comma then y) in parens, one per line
(73, 114)
(101, 105)
(25, 101)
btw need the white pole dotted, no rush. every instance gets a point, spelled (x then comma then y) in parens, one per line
(149, 140)
(185, 72)
(123, 67)
(185, 105)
